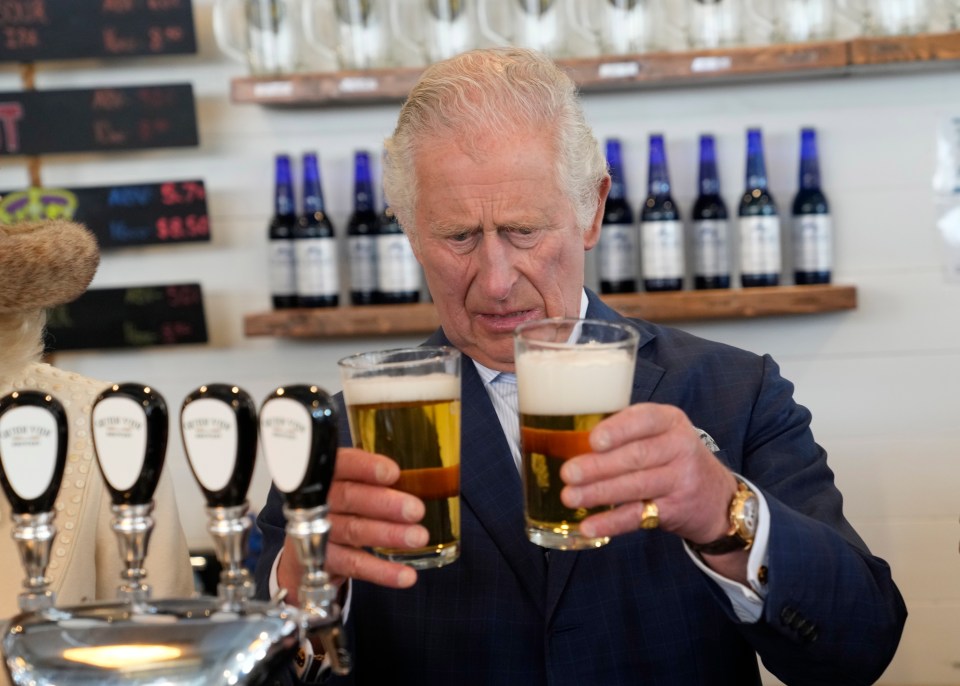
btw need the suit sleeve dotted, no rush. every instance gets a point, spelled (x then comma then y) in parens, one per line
(272, 524)
(832, 613)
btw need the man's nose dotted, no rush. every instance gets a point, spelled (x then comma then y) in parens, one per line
(496, 272)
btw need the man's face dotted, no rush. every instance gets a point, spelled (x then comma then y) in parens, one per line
(498, 242)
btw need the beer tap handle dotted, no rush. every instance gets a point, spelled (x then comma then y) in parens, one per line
(218, 423)
(33, 453)
(299, 435)
(298, 431)
(129, 425)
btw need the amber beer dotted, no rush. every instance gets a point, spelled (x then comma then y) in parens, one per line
(415, 419)
(565, 389)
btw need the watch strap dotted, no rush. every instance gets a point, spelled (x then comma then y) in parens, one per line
(733, 539)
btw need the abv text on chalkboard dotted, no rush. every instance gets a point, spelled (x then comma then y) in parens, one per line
(128, 318)
(119, 216)
(97, 119)
(34, 30)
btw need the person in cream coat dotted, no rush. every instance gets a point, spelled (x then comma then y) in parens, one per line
(43, 264)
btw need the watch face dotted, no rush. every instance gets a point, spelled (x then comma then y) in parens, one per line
(751, 511)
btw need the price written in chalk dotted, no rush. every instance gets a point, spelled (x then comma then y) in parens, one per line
(176, 228)
(35, 30)
(135, 316)
(119, 216)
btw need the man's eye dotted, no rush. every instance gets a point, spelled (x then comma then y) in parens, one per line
(460, 237)
(523, 235)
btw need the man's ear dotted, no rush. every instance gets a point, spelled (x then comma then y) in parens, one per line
(592, 233)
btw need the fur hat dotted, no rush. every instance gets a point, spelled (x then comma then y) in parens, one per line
(44, 263)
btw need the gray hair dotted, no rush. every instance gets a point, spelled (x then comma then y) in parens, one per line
(503, 91)
(21, 340)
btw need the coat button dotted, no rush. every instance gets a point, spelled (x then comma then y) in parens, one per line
(787, 615)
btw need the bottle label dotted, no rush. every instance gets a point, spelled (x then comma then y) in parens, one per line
(317, 273)
(397, 268)
(661, 249)
(363, 263)
(282, 271)
(711, 247)
(760, 245)
(813, 243)
(617, 252)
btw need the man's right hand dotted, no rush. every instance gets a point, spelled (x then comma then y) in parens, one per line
(364, 512)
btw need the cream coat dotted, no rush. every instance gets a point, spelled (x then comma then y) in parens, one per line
(85, 564)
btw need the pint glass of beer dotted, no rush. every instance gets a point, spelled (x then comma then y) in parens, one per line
(571, 374)
(405, 404)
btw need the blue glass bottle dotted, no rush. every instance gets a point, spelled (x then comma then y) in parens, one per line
(362, 230)
(711, 234)
(812, 224)
(315, 244)
(283, 280)
(661, 231)
(398, 272)
(759, 222)
(617, 248)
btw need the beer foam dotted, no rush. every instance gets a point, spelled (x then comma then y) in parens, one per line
(370, 390)
(582, 381)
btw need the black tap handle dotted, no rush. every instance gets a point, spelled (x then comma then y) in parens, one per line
(33, 450)
(298, 433)
(218, 423)
(129, 425)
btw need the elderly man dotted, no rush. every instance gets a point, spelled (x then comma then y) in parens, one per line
(500, 185)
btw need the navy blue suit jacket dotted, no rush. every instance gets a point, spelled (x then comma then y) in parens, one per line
(637, 611)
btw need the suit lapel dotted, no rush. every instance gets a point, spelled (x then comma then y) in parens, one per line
(645, 379)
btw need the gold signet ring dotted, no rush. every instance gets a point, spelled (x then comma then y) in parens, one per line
(650, 517)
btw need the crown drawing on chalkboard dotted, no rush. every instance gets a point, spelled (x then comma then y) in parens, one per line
(35, 204)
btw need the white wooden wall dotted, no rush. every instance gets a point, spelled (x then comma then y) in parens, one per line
(882, 381)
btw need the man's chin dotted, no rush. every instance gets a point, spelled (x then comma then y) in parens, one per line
(495, 353)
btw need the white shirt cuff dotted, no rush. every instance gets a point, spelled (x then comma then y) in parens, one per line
(747, 601)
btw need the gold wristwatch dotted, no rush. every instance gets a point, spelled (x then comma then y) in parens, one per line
(744, 512)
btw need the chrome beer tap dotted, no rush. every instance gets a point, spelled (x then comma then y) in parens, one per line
(298, 433)
(138, 640)
(218, 423)
(129, 427)
(230, 640)
(33, 453)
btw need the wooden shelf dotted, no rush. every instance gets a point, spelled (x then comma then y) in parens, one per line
(421, 318)
(623, 72)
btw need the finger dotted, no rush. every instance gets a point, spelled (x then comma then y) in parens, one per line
(631, 457)
(625, 487)
(633, 423)
(375, 502)
(619, 520)
(370, 533)
(346, 561)
(353, 464)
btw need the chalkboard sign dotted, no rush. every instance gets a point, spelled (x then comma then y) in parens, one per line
(97, 119)
(32, 30)
(119, 216)
(128, 318)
